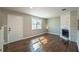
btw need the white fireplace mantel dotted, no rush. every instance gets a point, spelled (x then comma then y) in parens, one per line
(69, 22)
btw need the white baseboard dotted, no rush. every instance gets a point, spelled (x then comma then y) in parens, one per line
(33, 36)
(78, 45)
(24, 38)
(53, 33)
(5, 43)
(64, 37)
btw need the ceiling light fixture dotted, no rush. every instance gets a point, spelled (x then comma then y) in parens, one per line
(63, 9)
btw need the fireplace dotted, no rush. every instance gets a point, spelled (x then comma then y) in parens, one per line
(65, 33)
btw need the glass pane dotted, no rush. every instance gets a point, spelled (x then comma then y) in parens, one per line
(33, 24)
(36, 23)
(39, 24)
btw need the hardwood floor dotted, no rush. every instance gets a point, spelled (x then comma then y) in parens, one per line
(42, 43)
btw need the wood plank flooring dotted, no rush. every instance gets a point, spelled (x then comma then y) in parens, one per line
(42, 43)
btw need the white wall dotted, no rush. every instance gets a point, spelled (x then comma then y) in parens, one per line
(3, 22)
(73, 26)
(78, 38)
(77, 29)
(1, 38)
(27, 24)
(0, 19)
(28, 27)
(65, 21)
(54, 25)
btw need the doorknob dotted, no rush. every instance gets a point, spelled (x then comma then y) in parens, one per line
(9, 29)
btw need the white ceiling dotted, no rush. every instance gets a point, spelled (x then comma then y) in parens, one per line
(44, 12)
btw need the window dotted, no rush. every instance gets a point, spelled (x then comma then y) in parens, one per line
(36, 23)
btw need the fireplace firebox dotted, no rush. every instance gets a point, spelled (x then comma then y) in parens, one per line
(65, 33)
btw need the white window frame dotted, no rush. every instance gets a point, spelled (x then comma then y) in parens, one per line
(36, 23)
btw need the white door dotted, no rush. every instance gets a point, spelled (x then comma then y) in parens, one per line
(15, 28)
